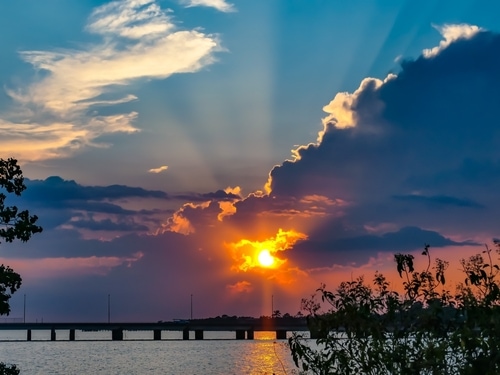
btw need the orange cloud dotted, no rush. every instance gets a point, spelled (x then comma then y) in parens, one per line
(240, 287)
(228, 207)
(179, 223)
(159, 169)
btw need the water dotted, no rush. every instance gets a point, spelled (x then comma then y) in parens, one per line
(218, 354)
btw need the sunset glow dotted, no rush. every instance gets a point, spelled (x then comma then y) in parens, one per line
(251, 254)
(201, 147)
(266, 259)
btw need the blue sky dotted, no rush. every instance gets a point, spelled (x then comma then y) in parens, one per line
(170, 141)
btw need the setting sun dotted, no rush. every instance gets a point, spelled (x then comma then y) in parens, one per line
(267, 253)
(266, 259)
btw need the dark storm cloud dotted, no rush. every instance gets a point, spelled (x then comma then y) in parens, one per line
(56, 201)
(356, 250)
(438, 201)
(219, 195)
(421, 142)
(437, 113)
(54, 189)
(109, 225)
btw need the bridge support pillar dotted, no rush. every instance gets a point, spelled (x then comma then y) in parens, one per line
(71, 335)
(240, 334)
(52, 334)
(157, 334)
(250, 334)
(198, 334)
(117, 334)
(280, 334)
(28, 335)
(185, 334)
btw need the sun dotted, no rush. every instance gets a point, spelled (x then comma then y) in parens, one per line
(265, 258)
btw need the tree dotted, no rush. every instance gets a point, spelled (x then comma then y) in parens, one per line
(424, 330)
(14, 225)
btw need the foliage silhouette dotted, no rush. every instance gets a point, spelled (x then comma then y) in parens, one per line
(14, 225)
(424, 330)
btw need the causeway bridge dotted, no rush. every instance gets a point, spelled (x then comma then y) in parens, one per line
(244, 328)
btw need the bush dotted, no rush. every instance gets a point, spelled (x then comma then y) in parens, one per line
(9, 369)
(424, 330)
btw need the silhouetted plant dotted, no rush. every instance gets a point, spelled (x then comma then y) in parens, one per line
(9, 369)
(425, 330)
(14, 224)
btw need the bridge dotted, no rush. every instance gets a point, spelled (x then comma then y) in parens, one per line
(244, 328)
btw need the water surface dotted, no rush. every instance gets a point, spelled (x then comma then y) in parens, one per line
(218, 354)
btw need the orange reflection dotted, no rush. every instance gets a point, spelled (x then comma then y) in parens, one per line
(264, 254)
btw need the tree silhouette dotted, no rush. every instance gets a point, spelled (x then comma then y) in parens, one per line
(14, 225)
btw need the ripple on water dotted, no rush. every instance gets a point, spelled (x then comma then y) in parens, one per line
(138, 354)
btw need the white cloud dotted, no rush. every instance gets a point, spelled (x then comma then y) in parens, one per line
(450, 34)
(342, 109)
(159, 169)
(131, 19)
(139, 42)
(221, 5)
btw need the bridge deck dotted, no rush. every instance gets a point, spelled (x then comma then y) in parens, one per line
(193, 325)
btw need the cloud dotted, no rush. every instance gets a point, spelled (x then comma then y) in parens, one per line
(159, 169)
(219, 195)
(451, 33)
(109, 225)
(220, 5)
(55, 189)
(131, 19)
(357, 250)
(342, 108)
(61, 111)
(240, 287)
(410, 132)
(117, 209)
(438, 201)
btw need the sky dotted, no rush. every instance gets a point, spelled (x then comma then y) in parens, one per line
(168, 145)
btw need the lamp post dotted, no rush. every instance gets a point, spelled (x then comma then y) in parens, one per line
(191, 307)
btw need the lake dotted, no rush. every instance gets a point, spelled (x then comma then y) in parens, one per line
(94, 353)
